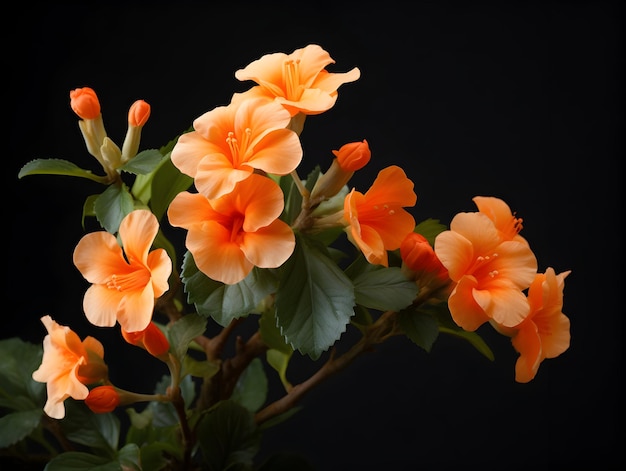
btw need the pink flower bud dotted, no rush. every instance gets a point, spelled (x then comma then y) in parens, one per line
(138, 113)
(353, 156)
(102, 399)
(85, 103)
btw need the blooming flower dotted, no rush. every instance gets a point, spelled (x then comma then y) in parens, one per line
(545, 333)
(499, 212)
(490, 271)
(102, 399)
(298, 81)
(230, 142)
(125, 283)
(67, 366)
(376, 220)
(230, 235)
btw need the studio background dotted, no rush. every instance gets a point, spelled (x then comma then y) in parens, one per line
(519, 100)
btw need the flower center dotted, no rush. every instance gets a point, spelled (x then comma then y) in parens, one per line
(291, 77)
(238, 150)
(131, 281)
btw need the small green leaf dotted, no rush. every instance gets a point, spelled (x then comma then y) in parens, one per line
(129, 457)
(420, 326)
(183, 331)
(251, 388)
(200, 369)
(97, 431)
(17, 425)
(58, 167)
(430, 229)
(112, 206)
(80, 461)
(143, 163)
(314, 301)
(167, 182)
(228, 436)
(223, 302)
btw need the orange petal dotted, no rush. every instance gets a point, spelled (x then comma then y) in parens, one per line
(528, 344)
(188, 209)
(270, 246)
(136, 308)
(465, 311)
(97, 255)
(101, 305)
(137, 232)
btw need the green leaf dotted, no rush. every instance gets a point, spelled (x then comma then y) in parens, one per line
(183, 331)
(163, 413)
(223, 302)
(112, 206)
(314, 301)
(58, 167)
(430, 229)
(143, 163)
(129, 458)
(228, 436)
(293, 199)
(18, 390)
(379, 287)
(97, 431)
(153, 440)
(449, 327)
(251, 388)
(420, 325)
(167, 182)
(80, 461)
(200, 369)
(280, 352)
(17, 425)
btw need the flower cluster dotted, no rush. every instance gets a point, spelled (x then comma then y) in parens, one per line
(261, 245)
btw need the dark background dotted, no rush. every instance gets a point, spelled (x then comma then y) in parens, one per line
(519, 100)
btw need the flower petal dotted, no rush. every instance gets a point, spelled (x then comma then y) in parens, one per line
(97, 255)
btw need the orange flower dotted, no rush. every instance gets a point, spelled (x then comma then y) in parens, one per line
(490, 271)
(298, 81)
(499, 212)
(230, 235)
(377, 220)
(230, 142)
(67, 366)
(125, 283)
(152, 339)
(102, 399)
(545, 333)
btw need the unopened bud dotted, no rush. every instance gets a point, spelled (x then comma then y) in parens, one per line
(138, 115)
(152, 339)
(353, 156)
(420, 263)
(85, 103)
(102, 399)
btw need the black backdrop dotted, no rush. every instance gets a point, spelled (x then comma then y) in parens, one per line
(520, 100)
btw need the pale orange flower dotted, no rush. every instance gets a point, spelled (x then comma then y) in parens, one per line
(125, 283)
(230, 235)
(377, 221)
(67, 366)
(298, 81)
(230, 142)
(545, 333)
(490, 272)
(500, 213)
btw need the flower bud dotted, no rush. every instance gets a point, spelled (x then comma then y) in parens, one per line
(102, 399)
(111, 156)
(138, 115)
(353, 156)
(420, 263)
(152, 339)
(349, 158)
(85, 103)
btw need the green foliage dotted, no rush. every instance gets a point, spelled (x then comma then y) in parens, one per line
(58, 167)
(252, 387)
(112, 206)
(381, 288)
(224, 302)
(228, 437)
(182, 332)
(143, 163)
(314, 300)
(430, 229)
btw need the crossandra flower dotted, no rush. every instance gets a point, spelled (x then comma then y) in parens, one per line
(125, 282)
(230, 142)
(299, 81)
(230, 235)
(67, 366)
(545, 333)
(376, 220)
(490, 271)
(507, 224)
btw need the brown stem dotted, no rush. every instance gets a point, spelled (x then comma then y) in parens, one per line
(187, 438)
(379, 331)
